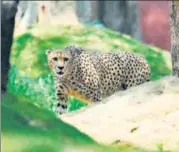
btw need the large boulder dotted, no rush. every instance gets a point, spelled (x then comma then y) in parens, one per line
(145, 116)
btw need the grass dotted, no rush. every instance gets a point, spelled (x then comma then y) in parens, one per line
(37, 129)
(28, 122)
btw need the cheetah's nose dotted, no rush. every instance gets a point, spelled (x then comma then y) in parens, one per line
(60, 67)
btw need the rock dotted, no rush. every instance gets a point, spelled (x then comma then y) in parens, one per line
(145, 116)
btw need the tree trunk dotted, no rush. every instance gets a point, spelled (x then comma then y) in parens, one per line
(175, 37)
(87, 11)
(27, 13)
(8, 12)
(121, 16)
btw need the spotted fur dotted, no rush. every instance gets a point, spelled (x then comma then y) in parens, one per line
(94, 76)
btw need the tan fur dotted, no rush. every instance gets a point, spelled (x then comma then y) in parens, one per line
(93, 76)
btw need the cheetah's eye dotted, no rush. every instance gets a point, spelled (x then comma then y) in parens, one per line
(55, 59)
(65, 59)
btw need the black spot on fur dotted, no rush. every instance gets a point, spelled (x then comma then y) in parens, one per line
(58, 104)
(61, 86)
(64, 106)
(124, 86)
(59, 94)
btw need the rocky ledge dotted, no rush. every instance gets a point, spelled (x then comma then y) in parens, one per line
(146, 116)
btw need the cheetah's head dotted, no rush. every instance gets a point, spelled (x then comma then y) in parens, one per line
(59, 61)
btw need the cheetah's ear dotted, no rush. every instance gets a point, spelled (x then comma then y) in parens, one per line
(48, 52)
(79, 50)
(74, 50)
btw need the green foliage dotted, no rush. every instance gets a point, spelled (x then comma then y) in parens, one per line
(30, 76)
(27, 128)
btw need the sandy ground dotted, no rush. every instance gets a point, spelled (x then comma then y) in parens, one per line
(146, 116)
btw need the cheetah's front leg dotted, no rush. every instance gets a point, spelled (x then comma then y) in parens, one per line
(62, 99)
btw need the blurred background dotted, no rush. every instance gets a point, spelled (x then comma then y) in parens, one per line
(147, 21)
(28, 122)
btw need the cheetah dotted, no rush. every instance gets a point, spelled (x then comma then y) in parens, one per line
(92, 76)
